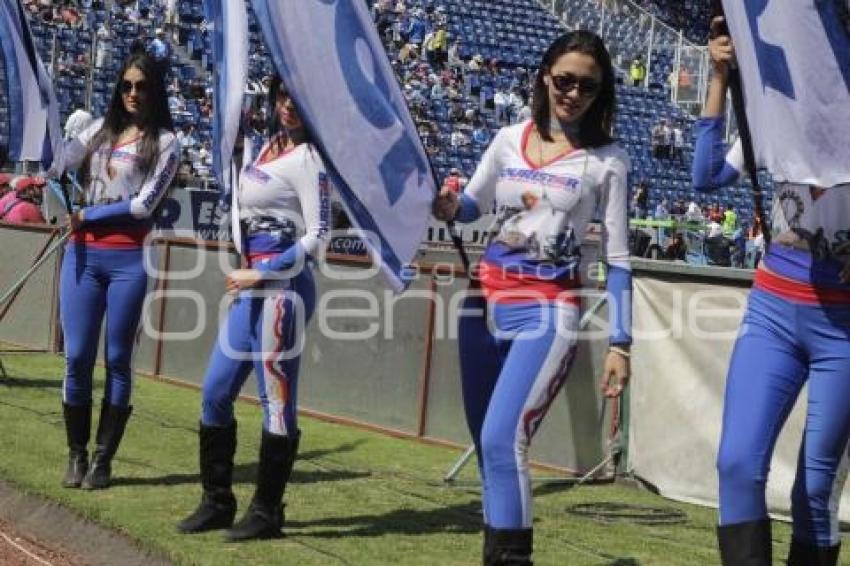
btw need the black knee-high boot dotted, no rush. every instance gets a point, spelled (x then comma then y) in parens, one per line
(802, 554)
(218, 504)
(507, 547)
(78, 431)
(745, 544)
(110, 430)
(264, 517)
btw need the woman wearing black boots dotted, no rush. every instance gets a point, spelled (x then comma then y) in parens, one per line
(127, 161)
(284, 209)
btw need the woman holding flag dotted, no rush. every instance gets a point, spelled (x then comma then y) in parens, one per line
(796, 330)
(127, 161)
(547, 177)
(284, 214)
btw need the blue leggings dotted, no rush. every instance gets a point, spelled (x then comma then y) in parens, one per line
(261, 332)
(94, 282)
(509, 381)
(781, 346)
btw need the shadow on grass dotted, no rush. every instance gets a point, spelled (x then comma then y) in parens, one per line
(242, 474)
(341, 449)
(549, 488)
(461, 518)
(30, 382)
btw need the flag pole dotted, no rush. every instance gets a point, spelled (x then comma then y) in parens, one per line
(736, 91)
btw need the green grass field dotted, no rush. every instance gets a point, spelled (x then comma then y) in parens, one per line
(356, 497)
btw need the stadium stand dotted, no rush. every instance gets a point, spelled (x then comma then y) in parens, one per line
(480, 81)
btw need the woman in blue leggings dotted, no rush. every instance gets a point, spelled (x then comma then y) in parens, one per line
(547, 177)
(127, 161)
(796, 331)
(284, 211)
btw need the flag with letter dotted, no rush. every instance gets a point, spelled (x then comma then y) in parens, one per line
(330, 56)
(795, 67)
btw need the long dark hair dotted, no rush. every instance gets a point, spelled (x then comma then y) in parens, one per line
(596, 124)
(154, 115)
(274, 128)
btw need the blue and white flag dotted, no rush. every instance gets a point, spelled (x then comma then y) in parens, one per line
(329, 55)
(35, 133)
(228, 31)
(795, 65)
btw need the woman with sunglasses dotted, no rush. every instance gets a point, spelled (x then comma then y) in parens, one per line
(547, 178)
(284, 208)
(127, 161)
(795, 332)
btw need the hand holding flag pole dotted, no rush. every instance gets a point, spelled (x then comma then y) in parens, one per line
(736, 91)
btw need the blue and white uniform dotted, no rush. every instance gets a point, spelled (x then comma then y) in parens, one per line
(103, 269)
(796, 330)
(284, 211)
(529, 274)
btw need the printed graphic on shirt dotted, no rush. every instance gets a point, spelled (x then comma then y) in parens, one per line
(813, 219)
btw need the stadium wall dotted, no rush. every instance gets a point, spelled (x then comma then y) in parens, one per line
(395, 369)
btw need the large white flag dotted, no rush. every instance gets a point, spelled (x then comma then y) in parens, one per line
(35, 133)
(330, 56)
(794, 58)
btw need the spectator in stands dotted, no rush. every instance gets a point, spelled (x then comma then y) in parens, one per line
(661, 211)
(438, 90)
(7, 188)
(676, 250)
(678, 208)
(717, 246)
(487, 98)
(417, 29)
(127, 161)
(509, 380)
(454, 59)
(459, 138)
(176, 103)
(159, 46)
(452, 182)
(730, 220)
(660, 139)
(523, 113)
(185, 174)
(282, 195)
(480, 134)
(456, 112)
(715, 214)
(640, 201)
(693, 214)
(103, 51)
(78, 121)
(440, 47)
(677, 147)
(500, 104)
(23, 204)
(637, 71)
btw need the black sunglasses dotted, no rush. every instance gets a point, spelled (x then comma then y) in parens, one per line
(126, 87)
(565, 83)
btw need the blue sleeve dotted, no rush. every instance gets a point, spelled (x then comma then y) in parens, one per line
(711, 170)
(281, 262)
(115, 213)
(619, 287)
(468, 211)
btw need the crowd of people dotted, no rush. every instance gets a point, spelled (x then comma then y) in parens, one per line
(456, 102)
(546, 177)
